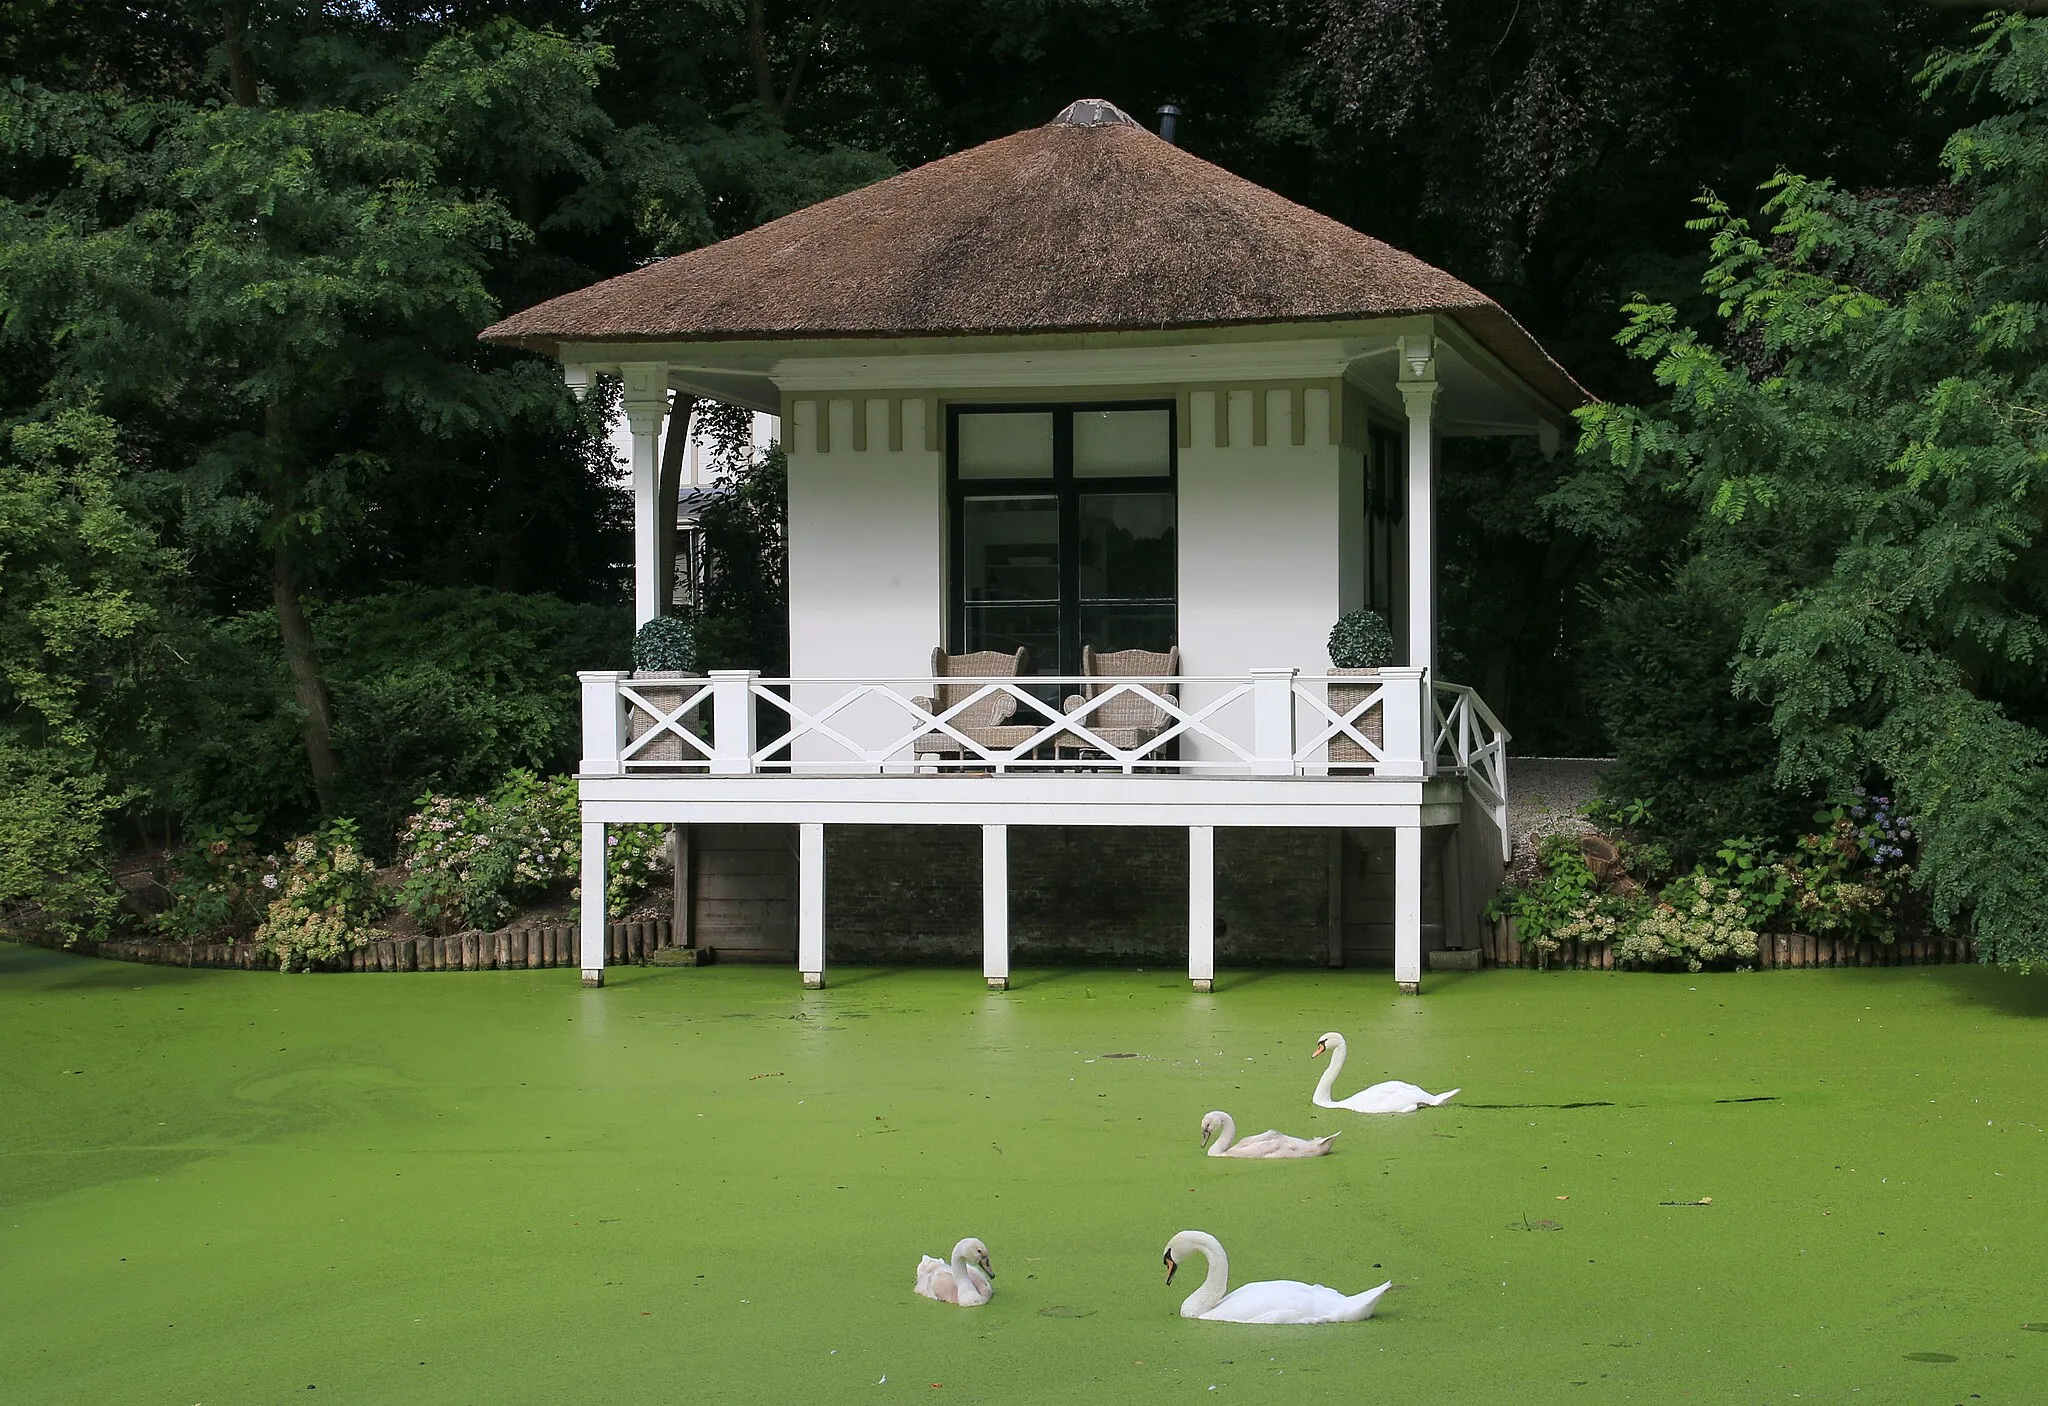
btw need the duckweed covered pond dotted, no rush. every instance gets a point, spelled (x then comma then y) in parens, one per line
(697, 1185)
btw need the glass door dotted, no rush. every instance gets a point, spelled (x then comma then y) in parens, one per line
(1064, 533)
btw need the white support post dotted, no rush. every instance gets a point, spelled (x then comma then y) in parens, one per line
(810, 904)
(1273, 738)
(646, 401)
(1202, 907)
(591, 928)
(604, 723)
(995, 906)
(1408, 908)
(1418, 390)
(732, 721)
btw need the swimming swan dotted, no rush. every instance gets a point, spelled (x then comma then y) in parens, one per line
(967, 1281)
(1390, 1097)
(1272, 1143)
(1270, 1301)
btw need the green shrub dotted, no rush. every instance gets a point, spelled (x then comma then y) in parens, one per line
(222, 886)
(1697, 922)
(327, 898)
(667, 644)
(440, 691)
(52, 810)
(472, 861)
(1696, 759)
(1360, 640)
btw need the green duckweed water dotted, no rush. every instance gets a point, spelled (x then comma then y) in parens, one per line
(703, 1185)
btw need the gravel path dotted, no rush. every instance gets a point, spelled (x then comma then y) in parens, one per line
(1545, 796)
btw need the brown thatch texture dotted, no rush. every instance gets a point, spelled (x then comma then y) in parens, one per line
(1060, 228)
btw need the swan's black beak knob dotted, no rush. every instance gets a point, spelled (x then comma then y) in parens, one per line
(1170, 1267)
(1320, 1047)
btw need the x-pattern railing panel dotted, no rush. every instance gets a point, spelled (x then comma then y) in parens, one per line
(663, 723)
(1334, 724)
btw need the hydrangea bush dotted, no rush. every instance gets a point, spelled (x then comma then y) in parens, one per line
(1698, 922)
(471, 861)
(327, 899)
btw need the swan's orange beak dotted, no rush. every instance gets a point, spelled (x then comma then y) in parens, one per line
(1320, 1047)
(1170, 1268)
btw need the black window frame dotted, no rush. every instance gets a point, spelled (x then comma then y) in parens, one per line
(1066, 490)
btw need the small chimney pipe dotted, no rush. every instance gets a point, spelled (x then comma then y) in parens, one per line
(1169, 120)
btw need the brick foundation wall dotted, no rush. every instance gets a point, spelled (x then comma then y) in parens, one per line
(1077, 894)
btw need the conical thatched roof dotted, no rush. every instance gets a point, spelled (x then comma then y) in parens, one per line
(1090, 223)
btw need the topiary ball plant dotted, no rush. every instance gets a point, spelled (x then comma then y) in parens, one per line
(1361, 640)
(666, 644)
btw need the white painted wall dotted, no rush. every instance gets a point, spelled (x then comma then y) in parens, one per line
(867, 538)
(1269, 549)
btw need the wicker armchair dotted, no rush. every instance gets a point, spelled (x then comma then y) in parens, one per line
(1129, 720)
(986, 722)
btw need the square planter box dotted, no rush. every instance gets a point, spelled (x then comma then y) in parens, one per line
(1345, 697)
(664, 689)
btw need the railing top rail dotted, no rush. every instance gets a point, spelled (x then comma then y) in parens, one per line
(1017, 680)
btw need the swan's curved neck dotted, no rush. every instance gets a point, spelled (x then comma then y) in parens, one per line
(1322, 1098)
(1213, 1284)
(1226, 1134)
(965, 1271)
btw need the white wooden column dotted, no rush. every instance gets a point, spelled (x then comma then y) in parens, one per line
(1408, 907)
(592, 917)
(810, 904)
(1418, 391)
(646, 401)
(995, 906)
(1202, 907)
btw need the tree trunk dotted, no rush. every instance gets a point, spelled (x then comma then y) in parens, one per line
(241, 73)
(309, 690)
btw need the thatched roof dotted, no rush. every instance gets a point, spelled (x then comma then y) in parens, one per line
(1088, 224)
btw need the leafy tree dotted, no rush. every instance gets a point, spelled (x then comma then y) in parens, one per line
(81, 585)
(1866, 462)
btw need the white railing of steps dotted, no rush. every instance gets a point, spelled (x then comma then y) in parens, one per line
(1271, 722)
(1471, 742)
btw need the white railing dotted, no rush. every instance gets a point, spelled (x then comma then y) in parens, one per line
(1270, 722)
(1471, 742)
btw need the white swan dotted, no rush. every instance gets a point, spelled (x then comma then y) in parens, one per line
(1390, 1097)
(967, 1281)
(1270, 1301)
(1272, 1143)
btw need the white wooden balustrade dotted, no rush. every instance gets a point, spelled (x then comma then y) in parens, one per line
(1273, 722)
(1244, 750)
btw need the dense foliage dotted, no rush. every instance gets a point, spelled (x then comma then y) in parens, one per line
(1864, 463)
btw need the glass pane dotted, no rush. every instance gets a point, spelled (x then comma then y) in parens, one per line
(1110, 627)
(1123, 443)
(1004, 627)
(1010, 549)
(1010, 444)
(1128, 547)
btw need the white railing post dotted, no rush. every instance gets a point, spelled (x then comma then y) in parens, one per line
(732, 721)
(1273, 722)
(604, 723)
(1410, 723)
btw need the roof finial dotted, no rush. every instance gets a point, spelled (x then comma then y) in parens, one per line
(1092, 112)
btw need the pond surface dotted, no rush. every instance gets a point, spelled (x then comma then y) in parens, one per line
(696, 1185)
